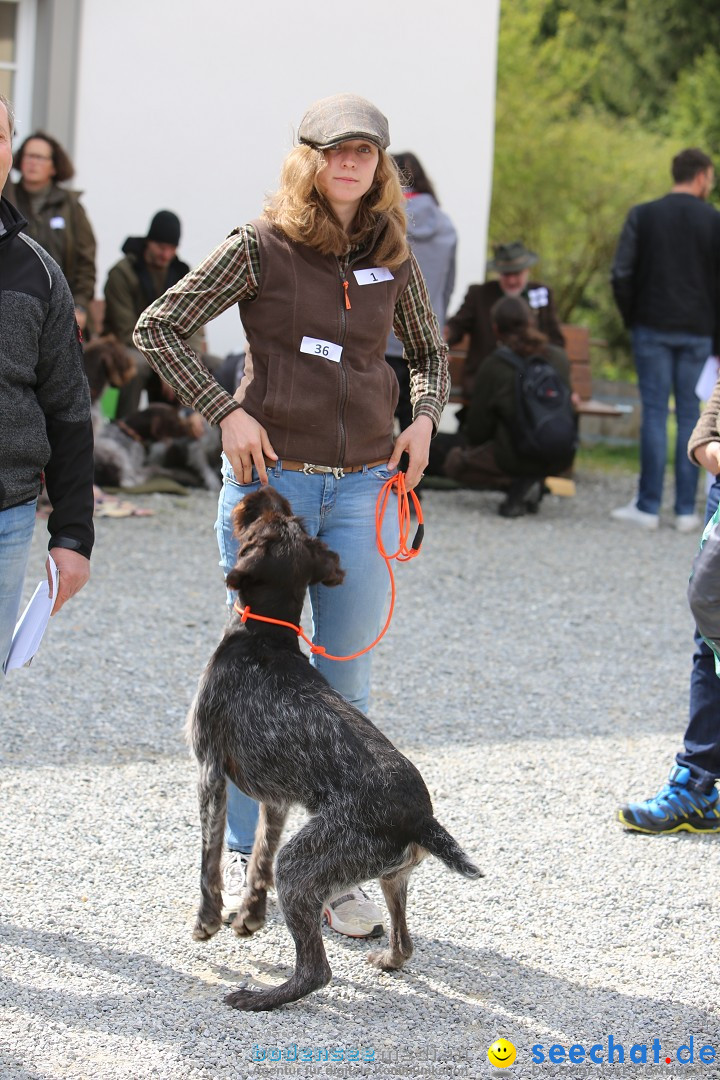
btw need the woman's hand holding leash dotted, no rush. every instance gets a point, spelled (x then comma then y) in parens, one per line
(415, 441)
(246, 443)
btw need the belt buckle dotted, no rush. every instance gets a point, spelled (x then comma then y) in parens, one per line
(309, 469)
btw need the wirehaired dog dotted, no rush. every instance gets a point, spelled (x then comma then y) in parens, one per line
(122, 446)
(268, 720)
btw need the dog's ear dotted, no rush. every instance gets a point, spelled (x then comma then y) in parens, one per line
(325, 566)
(257, 503)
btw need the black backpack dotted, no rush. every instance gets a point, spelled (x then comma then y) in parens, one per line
(545, 427)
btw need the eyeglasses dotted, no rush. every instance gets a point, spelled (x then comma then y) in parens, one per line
(37, 157)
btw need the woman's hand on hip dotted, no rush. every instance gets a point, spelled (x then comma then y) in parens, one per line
(415, 441)
(246, 443)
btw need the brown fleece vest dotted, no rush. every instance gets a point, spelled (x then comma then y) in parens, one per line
(316, 409)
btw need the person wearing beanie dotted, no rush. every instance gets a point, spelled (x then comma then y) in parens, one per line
(320, 279)
(150, 266)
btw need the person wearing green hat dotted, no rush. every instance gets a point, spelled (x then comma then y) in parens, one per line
(512, 263)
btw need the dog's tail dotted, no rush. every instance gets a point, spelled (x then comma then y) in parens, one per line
(438, 841)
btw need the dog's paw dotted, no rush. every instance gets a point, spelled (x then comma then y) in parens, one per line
(202, 930)
(247, 922)
(385, 960)
(246, 1000)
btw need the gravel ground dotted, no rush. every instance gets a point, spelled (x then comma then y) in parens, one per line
(536, 672)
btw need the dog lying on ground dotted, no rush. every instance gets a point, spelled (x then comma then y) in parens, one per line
(268, 720)
(193, 459)
(157, 441)
(122, 446)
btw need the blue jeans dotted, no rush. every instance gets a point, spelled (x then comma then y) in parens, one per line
(702, 738)
(345, 618)
(667, 361)
(16, 530)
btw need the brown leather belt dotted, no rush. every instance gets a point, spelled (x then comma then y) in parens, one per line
(338, 471)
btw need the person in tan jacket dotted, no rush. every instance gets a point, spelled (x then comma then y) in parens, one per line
(55, 216)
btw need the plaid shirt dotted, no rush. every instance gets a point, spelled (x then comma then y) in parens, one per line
(232, 273)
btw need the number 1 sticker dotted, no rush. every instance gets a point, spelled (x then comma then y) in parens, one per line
(373, 275)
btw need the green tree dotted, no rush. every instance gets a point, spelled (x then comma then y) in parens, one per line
(641, 48)
(693, 116)
(566, 172)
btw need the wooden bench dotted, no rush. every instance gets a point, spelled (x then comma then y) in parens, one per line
(577, 346)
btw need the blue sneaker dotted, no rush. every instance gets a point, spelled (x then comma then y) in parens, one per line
(675, 808)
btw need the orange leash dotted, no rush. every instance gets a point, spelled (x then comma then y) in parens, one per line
(403, 554)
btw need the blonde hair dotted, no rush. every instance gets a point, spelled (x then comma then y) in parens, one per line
(303, 213)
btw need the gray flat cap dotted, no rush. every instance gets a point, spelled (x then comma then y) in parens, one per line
(343, 116)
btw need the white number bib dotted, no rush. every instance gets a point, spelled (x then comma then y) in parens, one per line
(373, 275)
(328, 350)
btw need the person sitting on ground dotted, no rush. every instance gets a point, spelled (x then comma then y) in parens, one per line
(512, 263)
(149, 268)
(433, 240)
(485, 454)
(55, 216)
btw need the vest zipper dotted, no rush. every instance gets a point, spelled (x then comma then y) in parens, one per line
(344, 274)
(343, 376)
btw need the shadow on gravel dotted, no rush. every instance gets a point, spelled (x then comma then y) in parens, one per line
(478, 990)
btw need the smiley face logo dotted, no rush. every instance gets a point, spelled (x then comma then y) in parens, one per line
(501, 1054)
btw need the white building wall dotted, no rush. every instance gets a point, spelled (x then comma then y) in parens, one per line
(191, 106)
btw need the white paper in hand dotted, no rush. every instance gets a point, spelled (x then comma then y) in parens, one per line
(32, 623)
(707, 379)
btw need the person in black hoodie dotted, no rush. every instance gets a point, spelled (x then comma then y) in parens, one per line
(45, 427)
(150, 267)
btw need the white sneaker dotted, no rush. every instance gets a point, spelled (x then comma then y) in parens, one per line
(234, 870)
(686, 523)
(354, 914)
(632, 516)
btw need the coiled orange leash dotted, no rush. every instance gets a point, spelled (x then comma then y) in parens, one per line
(403, 554)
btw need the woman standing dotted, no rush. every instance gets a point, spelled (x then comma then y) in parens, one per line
(320, 279)
(55, 216)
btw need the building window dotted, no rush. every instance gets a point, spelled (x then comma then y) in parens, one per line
(8, 48)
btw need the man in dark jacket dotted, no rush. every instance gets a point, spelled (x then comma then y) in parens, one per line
(512, 263)
(150, 267)
(45, 426)
(666, 281)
